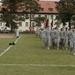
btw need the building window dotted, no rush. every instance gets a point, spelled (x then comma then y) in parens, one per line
(52, 16)
(20, 24)
(26, 24)
(45, 16)
(51, 9)
(42, 9)
(33, 24)
(32, 16)
(27, 16)
(39, 15)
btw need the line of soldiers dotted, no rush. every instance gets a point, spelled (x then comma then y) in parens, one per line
(55, 38)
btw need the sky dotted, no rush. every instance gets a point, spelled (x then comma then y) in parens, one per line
(41, 0)
(49, 0)
(0, 3)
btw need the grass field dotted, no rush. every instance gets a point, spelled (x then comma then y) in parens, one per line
(4, 42)
(28, 57)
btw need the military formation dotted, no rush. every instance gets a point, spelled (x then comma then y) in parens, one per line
(57, 39)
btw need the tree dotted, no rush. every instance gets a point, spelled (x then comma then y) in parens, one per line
(73, 21)
(8, 18)
(33, 7)
(8, 15)
(58, 23)
(39, 20)
(66, 9)
(15, 6)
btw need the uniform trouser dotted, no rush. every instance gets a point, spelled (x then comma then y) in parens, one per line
(53, 42)
(40, 36)
(47, 42)
(62, 42)
(71, 45)
(66, 42)
(74, 46)
(17, 35)
(57, 42)
(36, 34)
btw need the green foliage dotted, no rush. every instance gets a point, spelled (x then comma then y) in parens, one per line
(58, 22)
(20, 17)
(11, 7)
(73, 21)
(66, 9)
(8, 18)
(39, 20)
(23, 5)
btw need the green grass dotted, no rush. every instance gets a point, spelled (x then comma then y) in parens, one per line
(30, 50)
(4, 42)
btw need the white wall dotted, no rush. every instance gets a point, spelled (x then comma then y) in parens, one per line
(26, 24)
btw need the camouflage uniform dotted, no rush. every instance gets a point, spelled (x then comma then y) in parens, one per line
(62, 39)
(70, 37)
(66, 39)
(47, 37)
(36, 32)
(52, 38)
(57, 39)
(73, 41)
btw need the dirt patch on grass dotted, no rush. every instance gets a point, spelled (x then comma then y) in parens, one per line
(5, 36)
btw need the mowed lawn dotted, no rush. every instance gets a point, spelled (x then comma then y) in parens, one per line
(28, 57)
(5, 39)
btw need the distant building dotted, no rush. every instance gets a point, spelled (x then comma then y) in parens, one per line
(48, 10)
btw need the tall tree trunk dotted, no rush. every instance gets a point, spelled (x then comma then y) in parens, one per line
(69, 24)
(11, 28)
(63, 24)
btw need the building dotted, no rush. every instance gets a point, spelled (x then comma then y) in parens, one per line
(48, 10)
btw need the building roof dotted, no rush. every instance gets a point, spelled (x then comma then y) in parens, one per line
(48, 7)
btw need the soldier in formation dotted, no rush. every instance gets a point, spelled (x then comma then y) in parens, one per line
(46, 35)
(64, 38)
